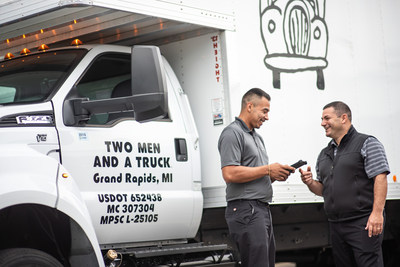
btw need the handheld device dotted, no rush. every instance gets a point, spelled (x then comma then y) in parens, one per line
(299, 164)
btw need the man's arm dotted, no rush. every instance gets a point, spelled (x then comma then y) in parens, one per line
(377, 168)
(375, 220)
(243, 174)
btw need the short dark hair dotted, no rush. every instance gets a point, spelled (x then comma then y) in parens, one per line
(340, 108)
(247, 97)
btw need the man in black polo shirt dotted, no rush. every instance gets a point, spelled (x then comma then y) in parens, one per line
(248, 178)
(351, 176)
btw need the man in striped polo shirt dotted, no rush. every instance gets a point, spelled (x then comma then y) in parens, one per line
(352, 177)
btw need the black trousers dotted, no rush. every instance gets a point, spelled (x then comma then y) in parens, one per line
(250, 226)
(352, 246)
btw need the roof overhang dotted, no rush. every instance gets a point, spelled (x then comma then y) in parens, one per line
(30, 23)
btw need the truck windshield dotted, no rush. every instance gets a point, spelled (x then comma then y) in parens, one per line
(33, 78)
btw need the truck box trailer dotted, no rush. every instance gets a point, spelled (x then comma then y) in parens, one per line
(106, 153)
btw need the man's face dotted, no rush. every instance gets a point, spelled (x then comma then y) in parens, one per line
(259, 112)
(331, 123)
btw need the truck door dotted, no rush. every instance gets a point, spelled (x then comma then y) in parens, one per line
(135, 177)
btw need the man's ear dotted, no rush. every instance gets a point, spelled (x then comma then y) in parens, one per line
(344, 118)
(249, 106)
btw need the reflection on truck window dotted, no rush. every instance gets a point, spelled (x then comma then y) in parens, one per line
(35, 77)
(7, 94)
(108, 76)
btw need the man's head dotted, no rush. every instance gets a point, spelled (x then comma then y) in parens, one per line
(255, 108)
(336, 120)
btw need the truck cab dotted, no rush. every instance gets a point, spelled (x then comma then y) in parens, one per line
(77, 153)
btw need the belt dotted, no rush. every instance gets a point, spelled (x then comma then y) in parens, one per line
(248, 200)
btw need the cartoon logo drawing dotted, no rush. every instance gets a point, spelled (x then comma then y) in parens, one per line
(295, 37)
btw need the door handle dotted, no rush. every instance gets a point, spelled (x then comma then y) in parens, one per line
(181, 149)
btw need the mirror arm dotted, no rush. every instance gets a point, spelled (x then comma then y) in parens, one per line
(83, 108)
(118, 104)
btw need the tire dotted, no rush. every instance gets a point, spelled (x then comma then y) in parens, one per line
(27, 257)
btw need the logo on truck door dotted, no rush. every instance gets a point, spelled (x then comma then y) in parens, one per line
(295, 37)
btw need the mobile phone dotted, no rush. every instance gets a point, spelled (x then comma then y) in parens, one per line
(299, 164)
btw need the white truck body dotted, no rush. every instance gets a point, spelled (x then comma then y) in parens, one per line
(353, 73)
(123, 184)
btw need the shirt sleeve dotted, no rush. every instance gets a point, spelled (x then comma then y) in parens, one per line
(375, 161)
(229, 147)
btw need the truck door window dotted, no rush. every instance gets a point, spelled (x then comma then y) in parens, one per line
(108, 73)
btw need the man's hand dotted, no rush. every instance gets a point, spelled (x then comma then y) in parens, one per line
(306, 176)
(279, 172)
(315, 186)
(374, 224)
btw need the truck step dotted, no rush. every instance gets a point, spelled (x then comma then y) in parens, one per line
(174, 250)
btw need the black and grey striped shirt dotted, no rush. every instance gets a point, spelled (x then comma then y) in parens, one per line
(375, 161)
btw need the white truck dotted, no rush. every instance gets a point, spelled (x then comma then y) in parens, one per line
(109, 150)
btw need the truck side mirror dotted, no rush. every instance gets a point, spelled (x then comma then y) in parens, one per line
(149, 87)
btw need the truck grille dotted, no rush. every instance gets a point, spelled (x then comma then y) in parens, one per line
(8, 121)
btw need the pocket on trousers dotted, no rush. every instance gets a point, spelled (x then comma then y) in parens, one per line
(370, 244)
(241, 214)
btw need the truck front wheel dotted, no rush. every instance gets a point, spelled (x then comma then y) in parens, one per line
(24, 257)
